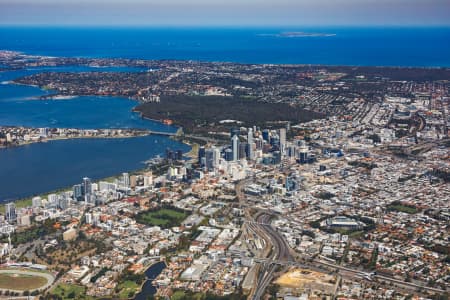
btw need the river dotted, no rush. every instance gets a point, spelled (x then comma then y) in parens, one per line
(148, 289)
(38, 168)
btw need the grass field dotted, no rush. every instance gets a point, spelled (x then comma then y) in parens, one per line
(70, 291)
(164, 217)
(403, 208)
(21, 282)
(128, 289)
(178, 295)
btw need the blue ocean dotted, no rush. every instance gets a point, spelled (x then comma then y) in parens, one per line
(375, 46)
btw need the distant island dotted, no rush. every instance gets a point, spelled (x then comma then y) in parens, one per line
(295, 34)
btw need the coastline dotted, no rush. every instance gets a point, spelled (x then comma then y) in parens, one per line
(193, 153)
(55, 97)
(142, 116)
(46, 140)
(26, 201)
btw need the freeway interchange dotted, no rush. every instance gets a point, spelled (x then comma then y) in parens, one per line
(277, 253)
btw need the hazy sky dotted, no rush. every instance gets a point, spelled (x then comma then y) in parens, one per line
(225, 12)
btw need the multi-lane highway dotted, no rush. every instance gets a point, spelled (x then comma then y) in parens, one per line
(280, 252)
(276, 247)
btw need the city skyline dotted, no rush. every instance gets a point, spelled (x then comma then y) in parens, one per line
(240, 149)
(232, 13)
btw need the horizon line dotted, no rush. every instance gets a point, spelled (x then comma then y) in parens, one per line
(231, 26)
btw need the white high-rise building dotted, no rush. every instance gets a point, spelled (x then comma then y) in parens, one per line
(43, 132)
(148, 180)
(103, 186)
(10, 211)
(235, 144)
(282, 134)
(36, 201)
(52, 198)
(250, 136)
(88, 218)
(126, 179)
(216, 156)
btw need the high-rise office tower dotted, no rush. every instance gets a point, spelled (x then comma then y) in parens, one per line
(63, 202)
(250, 153)
(282, 135)
(266, 135)
(87, 186)
(242, 150)
(201, 154)
(210, 159)
(303, 155)
(87, 189)
(235, 146)
(228, 155)
(250, 136)
(77, 191)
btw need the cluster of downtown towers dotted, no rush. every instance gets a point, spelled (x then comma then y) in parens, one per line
(272, 143)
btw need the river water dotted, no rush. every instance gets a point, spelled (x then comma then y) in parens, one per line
(148, 289)
(39, 168)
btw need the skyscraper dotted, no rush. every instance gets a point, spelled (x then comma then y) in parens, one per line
(87, 189)
(228, 155)
(266, 135)
(63, 202)
(250, 136)
(282, 135)
(242, 150)
(235, 146)
(303, 155)
(201, 154)
(250, 143)
(126, 179)
(10, 211)
(77, 191)
(87, 186)
(209, 159)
